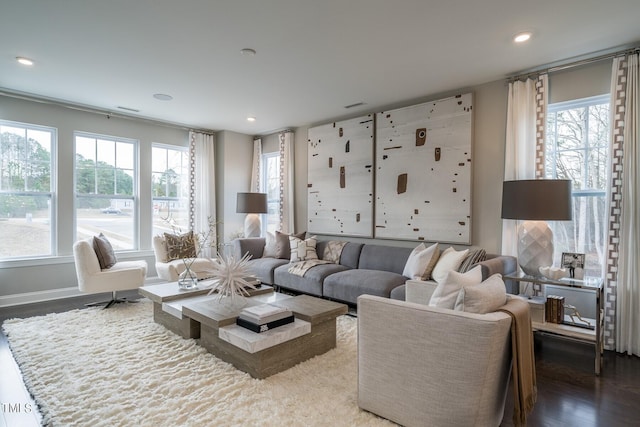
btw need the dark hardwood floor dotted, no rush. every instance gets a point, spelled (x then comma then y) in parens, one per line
(569, 393)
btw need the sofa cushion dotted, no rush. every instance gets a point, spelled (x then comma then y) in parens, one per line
(399, 293)
(350, 284)
(263, 268)
(482, 298)
(449, 260)
(384, 258)
(447, 291)
(311, 283)
(302, 250)
(421, 261)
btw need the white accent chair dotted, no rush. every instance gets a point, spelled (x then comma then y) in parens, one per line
(122, 276)
(171, 270)
(426, 366)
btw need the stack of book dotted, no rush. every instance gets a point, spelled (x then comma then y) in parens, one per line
(261, 318)
(253, 281)
(554, 309)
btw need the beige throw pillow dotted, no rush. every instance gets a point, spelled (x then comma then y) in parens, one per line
(421, 261)
(484, 297)
(447, 291)
(449, 260)
(270, 247)
(302, 250)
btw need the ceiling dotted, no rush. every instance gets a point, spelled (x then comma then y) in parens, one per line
(313, 57)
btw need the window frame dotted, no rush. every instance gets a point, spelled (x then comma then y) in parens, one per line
(180, 187)
(53, 188)
(264, 177)
(585, 147)
(134, 198)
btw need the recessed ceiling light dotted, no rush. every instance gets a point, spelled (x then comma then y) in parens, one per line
(247, 51)
(24, 61)
(522, 37)
(163, 97)
(251, 119)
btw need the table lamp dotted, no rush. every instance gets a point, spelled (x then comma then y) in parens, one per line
(536, 201)
(252, 204)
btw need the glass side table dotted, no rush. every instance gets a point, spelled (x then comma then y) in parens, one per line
(594, 336)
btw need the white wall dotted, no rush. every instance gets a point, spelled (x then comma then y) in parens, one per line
(47, 274)
(490, 106)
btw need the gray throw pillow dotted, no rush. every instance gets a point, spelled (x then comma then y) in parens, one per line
(283, 248)
(104, 252)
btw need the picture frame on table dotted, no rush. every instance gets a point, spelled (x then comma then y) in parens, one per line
(574, 263)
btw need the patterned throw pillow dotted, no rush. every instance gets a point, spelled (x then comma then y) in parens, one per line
(180, 246)
(472, 258)
(302, 250)
(333, 251)
(104, 251)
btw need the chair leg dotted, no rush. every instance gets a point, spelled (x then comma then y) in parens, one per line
(114, 300)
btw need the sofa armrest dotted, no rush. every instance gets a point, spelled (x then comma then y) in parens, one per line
(503, 264)
(254, 246)
(419, 291)
(421, 365)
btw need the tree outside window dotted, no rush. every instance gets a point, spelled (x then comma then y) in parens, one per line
(577, 148)
(270, 184)
(105, 183)
(26, 190)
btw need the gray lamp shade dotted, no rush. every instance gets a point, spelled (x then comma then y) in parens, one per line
(251, 203)
(537, 200)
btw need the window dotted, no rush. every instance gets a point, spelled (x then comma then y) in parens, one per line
(26, 190)
(169, 184)
(577, 148)
(270, 184)
(105, 182)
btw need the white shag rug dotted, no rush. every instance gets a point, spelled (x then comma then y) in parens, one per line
(117, 367)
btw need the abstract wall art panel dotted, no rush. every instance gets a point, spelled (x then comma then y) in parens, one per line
(423, 171)
(340, 178)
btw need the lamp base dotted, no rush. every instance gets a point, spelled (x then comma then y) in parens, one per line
(252, 225)
(535, 246)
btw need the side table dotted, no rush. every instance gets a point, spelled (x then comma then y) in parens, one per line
(594, 336)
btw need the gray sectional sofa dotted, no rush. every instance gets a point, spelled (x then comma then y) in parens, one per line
(363, 269)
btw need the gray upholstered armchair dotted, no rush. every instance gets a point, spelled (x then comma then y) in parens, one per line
(421, 365)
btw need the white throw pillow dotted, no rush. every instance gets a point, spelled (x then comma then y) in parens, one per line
(420, 262)
(270, 247)
(482, 298)
(447, 291)
(449, 260)
(302, 250)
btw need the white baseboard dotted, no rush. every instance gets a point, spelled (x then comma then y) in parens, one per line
(53, 294)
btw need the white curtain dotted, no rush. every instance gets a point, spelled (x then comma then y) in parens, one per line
(287, 206)
(628, 286)
(256, 166)
(520, 150)
(202, 198)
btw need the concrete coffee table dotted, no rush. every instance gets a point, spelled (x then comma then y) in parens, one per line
(168, 300)
(261, 355)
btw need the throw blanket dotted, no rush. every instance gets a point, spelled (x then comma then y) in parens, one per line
(523, 365)
(301, 267)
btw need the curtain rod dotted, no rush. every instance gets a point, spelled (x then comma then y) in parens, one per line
(579, 63)
(106, 113)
